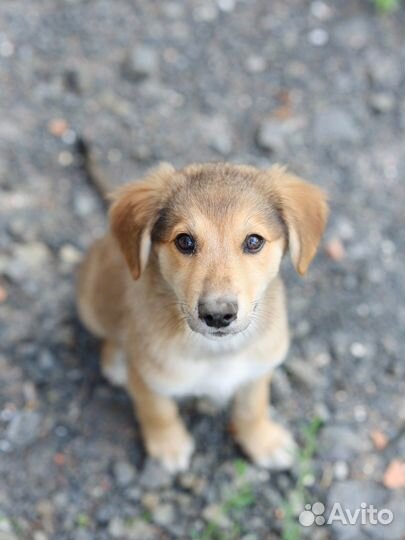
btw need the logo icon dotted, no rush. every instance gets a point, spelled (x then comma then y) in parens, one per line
(365, 515)
(312, 514)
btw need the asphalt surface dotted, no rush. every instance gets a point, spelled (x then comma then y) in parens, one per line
(318, 86)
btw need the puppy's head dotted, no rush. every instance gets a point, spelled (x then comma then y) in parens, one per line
(218, 233)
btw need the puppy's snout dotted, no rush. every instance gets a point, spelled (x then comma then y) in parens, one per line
(218, 313)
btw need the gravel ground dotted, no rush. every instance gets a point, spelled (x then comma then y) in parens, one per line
(315, 85)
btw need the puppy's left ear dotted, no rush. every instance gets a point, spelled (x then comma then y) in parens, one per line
(133, 213)
(303, 209)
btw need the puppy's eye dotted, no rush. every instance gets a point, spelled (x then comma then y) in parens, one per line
(253, 243)
(185, 244)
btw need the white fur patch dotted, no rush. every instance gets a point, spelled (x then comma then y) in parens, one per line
(209, 368)
(115, 370)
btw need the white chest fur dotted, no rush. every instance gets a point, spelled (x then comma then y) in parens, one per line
(216, 374)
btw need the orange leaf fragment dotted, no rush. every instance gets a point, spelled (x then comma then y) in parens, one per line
(379, 439)
(394, 476)
(335, 250)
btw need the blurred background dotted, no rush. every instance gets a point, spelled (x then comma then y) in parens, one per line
(93, 93)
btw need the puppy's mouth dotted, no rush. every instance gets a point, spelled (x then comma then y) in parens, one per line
(220, 334)
(214, 334)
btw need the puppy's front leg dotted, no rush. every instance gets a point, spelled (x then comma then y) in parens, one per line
(268, 444)
(164, 434)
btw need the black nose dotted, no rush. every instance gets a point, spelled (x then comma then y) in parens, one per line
(218, 313)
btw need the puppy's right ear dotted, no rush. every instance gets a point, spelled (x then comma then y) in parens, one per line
(304, 210)
(132, 215)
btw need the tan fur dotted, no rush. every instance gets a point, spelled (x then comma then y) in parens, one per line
(139, 293)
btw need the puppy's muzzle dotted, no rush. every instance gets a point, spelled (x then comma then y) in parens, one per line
(218, 312)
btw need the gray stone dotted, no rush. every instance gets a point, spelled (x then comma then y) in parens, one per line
(205, 12)
(164, 515)
(124, 473)
(133, 493)
(46, 360)
(83, 534)
(303, 372)
(154, 476)
(116, 528)
(140, 530)
(353, 32)
(336, 126)
(382, 102)
(104, 514)
(270, 136)
(384, 72)
(39, 535)
(280, 385)
(84, 203)
(318, 37)
(8, 535)
(215, 513)
(351, 494)
(141, 62)
(6, 529)
(341, 470)
(341, 443)
(255, 64)
(24, 428)
(150, 501)
(322, 412)
(191, 482)
(29, 259)
(395, 530)
(70, 255)
(218, 133)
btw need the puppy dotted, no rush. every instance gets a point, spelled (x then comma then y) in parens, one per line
(185, 293)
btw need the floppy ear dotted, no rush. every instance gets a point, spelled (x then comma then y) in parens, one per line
(304, 210)
(132, 215)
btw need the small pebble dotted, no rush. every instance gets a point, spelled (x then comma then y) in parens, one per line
(6, 48)
(358, 350)
(164, 515)
(335, 250)
(39, 535)
(206, 12)
(318, 37)
(70, 255)
(379, 439)
(114, 155)
(320, 10)
(69, 137)
(65, 158)
(226, 5)
(57, 127)
(255, 64)
(341, 470)
(150, 501)
(360, 413)
(335, 125)
(382, 102)
(3, 294)
(61, 431)
(142, 62)
(271, 136)
(154, 476)
(23, 428)
(215, 514)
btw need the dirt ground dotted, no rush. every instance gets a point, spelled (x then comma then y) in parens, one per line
(316, 85)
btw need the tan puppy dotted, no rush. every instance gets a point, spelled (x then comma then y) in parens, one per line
(186, 295)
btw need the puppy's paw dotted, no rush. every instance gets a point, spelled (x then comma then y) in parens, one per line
(268, 445)
(172, 447)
